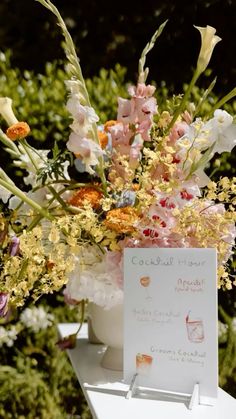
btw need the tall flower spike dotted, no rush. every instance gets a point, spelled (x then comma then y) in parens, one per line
(209, 41)
(143, 72)
(76, 75)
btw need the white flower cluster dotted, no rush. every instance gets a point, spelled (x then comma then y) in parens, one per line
(36, 318)
(96, 279)
(81, 141)
(8, 336)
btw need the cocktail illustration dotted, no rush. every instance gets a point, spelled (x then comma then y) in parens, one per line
(145, 282)
(143, 364)
(195, 328)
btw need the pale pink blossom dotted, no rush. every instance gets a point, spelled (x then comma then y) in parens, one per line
(178, 130)
(141, 90)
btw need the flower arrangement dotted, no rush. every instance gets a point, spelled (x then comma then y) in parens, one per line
(140, 181)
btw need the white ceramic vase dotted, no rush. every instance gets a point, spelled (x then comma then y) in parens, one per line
(108, 328)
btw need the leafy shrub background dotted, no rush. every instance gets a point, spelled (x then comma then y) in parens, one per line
(36, 378)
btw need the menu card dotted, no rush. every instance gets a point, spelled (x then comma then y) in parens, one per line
(170, 319)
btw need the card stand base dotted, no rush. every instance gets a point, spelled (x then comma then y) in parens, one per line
(194, 400)
(132, 387)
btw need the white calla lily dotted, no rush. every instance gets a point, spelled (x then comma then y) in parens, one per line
(209, 41)
(6, 111)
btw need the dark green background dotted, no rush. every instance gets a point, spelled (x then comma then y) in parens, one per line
(107, 32)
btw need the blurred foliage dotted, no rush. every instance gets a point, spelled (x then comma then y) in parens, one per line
(106, 33)
(227, 353)
(36, 378)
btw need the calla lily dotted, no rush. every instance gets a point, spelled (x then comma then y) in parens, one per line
(209, 41)
(6, 111)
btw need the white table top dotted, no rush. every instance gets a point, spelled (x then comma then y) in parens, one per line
(105, 391)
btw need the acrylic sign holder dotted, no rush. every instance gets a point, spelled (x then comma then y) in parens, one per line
(194, 397)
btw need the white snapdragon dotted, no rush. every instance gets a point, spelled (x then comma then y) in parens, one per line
(223, 131)
(36, 318)
(25, 162)
(87, 149)
(83, 140)
(82, 114)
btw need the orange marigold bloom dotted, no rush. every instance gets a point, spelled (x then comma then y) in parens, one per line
(86, 194)
(109, 124)
(122, 219)
(18, 131)
(103, 138)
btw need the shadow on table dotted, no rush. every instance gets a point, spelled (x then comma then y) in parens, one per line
(140, 393)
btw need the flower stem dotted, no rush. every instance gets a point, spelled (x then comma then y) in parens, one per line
(17, 192)
(224, 100)
(28, 149)
(183, 102)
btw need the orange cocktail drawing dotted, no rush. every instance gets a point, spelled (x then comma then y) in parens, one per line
(143, 363)
(145, 282)
(194, 329)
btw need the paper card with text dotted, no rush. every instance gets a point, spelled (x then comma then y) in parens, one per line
(170, 319)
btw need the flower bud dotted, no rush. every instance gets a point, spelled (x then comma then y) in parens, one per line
(209, 41)
(4, 297)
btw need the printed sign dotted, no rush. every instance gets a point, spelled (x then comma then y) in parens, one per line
(170, 319)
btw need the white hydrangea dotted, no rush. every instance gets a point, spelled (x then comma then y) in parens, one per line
(36, 318)
(8, 336)
(94, 280)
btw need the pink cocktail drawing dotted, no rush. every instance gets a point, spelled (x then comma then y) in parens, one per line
(145, 282)
(195, 329)
(143, 364)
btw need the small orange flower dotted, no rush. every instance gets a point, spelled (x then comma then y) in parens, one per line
(122, 219)
(50, 264)
(18, 131)
(109, 124)
(135, 187)
(103, 138)
(89, 194)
